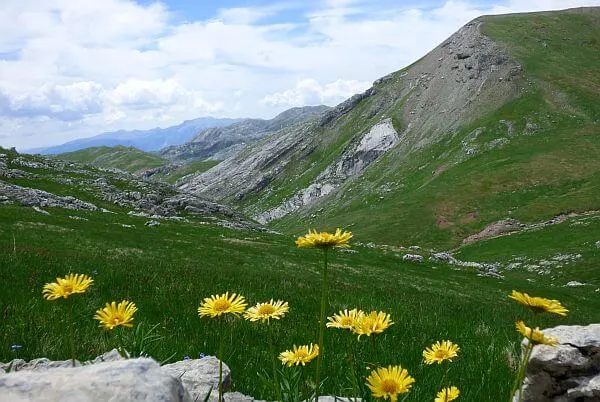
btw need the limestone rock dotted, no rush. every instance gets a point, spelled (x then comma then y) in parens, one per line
(412, 257)
(237, 397)
(570, 371)
(199, 376)
(352, 163)
(122, 380)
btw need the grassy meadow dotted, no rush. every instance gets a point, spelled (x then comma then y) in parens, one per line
(169, 269)
(129, 159)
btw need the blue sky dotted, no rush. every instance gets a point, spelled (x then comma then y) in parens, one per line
(76, 68)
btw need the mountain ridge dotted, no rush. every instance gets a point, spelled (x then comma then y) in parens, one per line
(146, 140)
(504, 91)
(219, 143)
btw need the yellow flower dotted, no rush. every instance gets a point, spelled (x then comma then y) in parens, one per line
(65, 287)
(440, 351)
(539, 304)
(345, 319)
(299, 355)
(372, 323)
(535, 335)
(114, 315)
(447, 394)
(215, 306)
(389, 382)
(324, 240)
(266, 311)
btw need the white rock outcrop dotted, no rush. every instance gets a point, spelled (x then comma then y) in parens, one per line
(352, 163)
(121, 380)
(568, 372)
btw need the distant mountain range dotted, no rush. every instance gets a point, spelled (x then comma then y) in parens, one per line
(146, 140)
(220, 143)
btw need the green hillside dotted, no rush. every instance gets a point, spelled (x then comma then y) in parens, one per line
(546, 164)
(129, 159)
(167, 271)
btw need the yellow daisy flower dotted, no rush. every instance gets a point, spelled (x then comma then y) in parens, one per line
(299, 355)
(324, 240)
(535, 335)
(389, 382)
(215, 306)
(345, 319)
(114, 315)
(65, 287)
(440, 351)
(447, 394)
(539, 304)
(372, 323)
(266, 311)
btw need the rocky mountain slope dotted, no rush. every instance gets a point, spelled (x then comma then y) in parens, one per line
(498, 121)
(129, 159)
(219, 143)
(146, 140)
(44, 183)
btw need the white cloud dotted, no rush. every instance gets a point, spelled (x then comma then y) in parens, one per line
(310, 92)
(80, 67)
(242, 15)
(62, 102)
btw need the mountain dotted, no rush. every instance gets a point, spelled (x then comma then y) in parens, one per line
(129, 159)
(146, 140)
(219, 143)
(498, 122)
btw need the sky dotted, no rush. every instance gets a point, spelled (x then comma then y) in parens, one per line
(76, 68)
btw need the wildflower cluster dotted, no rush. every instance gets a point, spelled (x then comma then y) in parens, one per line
(111, 316)
(383, 382)
(361, 323)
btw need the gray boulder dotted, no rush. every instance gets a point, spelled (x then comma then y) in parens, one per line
(121, 380)
(199, 376)
(570, 371)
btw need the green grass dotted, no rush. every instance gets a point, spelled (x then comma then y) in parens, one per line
(129, 159)
(169, 269)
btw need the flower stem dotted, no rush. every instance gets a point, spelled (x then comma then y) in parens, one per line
(443, 382)
(518, 384)
(523, 370)
(321, 328)
(274, 363)
(221, 336)
(354, 369)
(71, 336)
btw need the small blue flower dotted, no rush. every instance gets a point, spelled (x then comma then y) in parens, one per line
(186, 358)
(16, 348)
(201, 355)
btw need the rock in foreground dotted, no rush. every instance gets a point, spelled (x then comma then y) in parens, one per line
(570, 371)
(124, 380)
